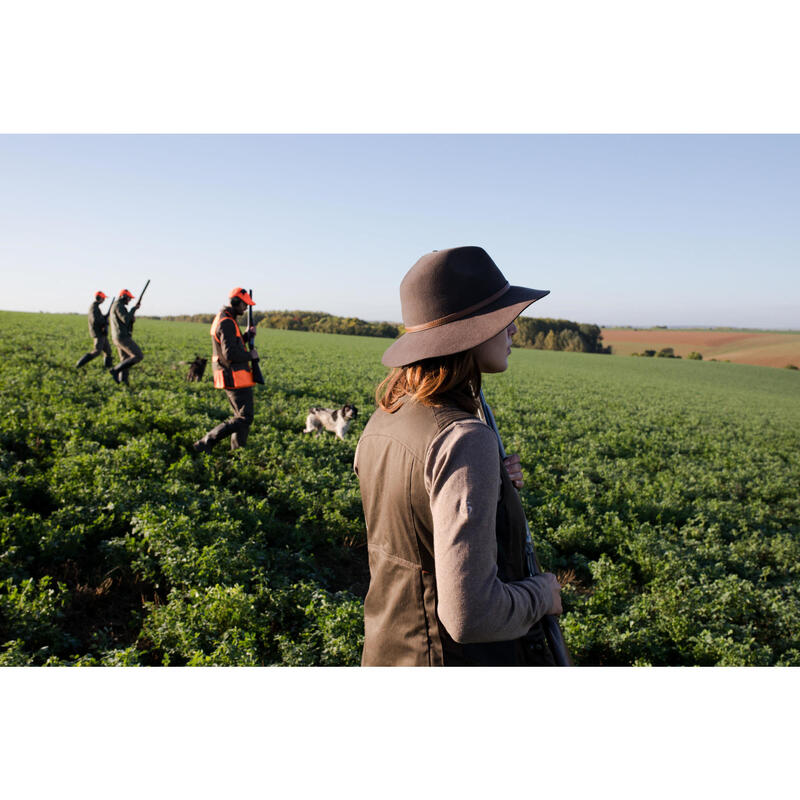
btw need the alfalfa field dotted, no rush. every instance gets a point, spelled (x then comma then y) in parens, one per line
(662, 491)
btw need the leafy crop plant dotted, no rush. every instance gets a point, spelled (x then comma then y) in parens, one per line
(664, 491)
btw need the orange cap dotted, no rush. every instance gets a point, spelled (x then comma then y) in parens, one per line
(242, 295)
(126, 293)
(101, 295)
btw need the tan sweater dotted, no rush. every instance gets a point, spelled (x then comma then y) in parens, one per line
(462, 480)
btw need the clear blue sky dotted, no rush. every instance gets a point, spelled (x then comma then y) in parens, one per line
(623, 229)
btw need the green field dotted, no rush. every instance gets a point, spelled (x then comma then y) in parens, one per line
(664, 492)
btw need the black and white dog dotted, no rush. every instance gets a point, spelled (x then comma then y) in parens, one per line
(336, 420)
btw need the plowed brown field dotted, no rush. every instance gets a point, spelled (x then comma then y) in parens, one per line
(761, 349)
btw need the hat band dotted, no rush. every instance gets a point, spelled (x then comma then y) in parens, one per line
(458, 314)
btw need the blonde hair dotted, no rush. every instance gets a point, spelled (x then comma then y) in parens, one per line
(453, 379)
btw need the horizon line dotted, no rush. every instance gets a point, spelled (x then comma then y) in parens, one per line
(629, 326)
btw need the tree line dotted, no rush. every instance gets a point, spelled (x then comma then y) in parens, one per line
(206, 318)
(320, 322)
(669, 352)
(559, 334)
(537, 333)
(317, 321)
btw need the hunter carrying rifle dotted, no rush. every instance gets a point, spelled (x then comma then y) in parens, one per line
(235, 369)
(98, 330)
(122, 321)
(450, 583)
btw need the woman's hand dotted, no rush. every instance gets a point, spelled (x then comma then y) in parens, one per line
(553, 588)
(514, 469)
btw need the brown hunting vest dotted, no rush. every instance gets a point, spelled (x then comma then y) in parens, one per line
(401, 624)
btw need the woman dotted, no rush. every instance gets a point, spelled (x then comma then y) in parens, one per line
(445, 526)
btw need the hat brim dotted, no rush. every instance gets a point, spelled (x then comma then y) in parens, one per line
(462, 334)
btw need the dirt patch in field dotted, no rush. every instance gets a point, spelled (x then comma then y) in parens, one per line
(761, 349)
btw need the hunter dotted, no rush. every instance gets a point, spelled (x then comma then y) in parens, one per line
(122, 320)
(446, 530)
(233, 364)
(98, 331)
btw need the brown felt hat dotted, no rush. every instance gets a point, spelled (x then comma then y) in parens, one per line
(453, 300)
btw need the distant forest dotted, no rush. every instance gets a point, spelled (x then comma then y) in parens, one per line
(320, 322)
(317, 321)
(207, 318)
(540, 334)
(559, 334)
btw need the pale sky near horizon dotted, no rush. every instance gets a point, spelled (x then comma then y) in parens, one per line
(623, 229)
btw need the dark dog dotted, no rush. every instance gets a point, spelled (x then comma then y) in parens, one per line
(336, 420)
(196, 369)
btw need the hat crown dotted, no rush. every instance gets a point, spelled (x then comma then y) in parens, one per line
(241, 294)
(448, 282)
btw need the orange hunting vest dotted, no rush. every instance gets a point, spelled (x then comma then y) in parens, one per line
(227, 374)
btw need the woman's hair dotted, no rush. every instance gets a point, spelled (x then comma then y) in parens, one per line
(452, 379)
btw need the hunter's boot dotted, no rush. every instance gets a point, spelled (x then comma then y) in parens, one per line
(127, 363)
(202, 445)
(84, 359)
(109, 362)
(239, 438)
(124, 367)
(120, 372)
(205, 444)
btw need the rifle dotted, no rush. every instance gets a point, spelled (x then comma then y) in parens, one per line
(552, 630)
(139, 302)
(257, 376)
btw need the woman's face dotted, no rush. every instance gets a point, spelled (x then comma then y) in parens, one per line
(492, 355)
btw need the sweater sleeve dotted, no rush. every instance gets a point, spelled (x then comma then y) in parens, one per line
(463, 482)
(97, 320)
(122, 318)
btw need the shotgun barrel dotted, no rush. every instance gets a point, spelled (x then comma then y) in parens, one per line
(552, 630)
(139, 301)
(141, 294)
(257, 376)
